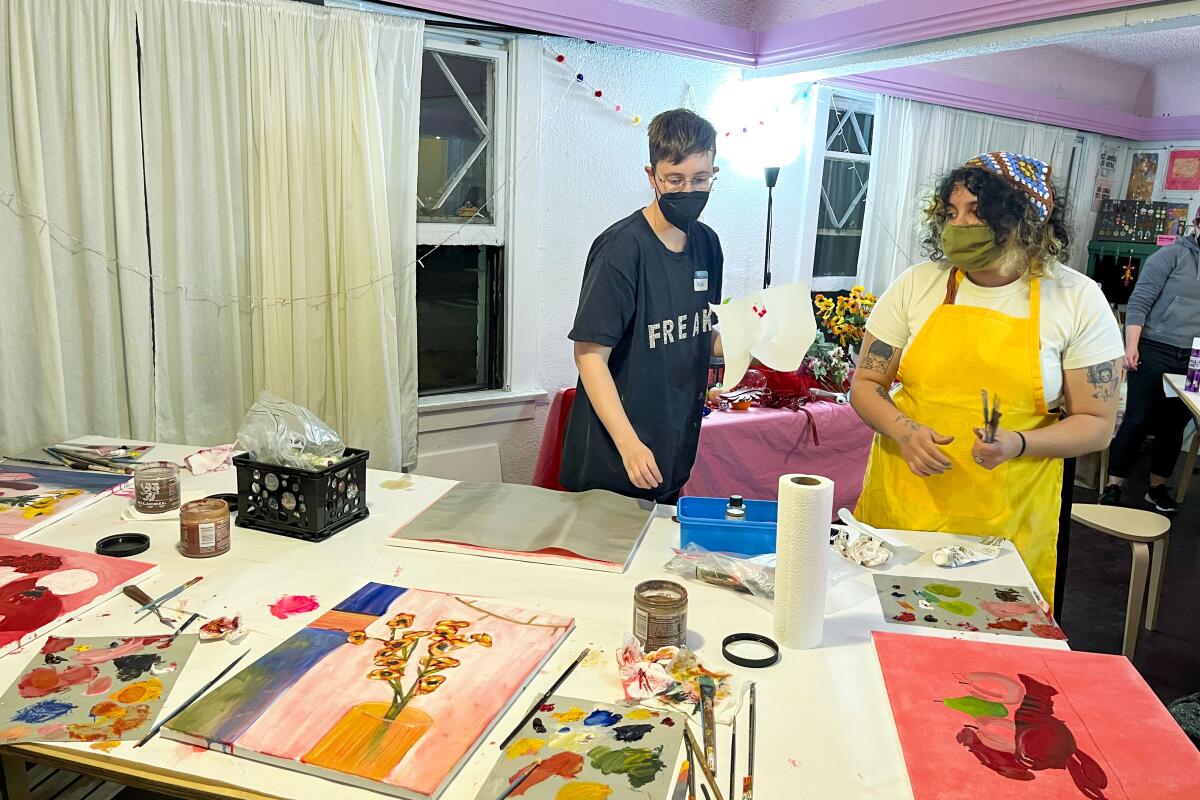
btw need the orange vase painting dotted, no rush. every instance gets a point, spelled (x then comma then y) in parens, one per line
(392, 690)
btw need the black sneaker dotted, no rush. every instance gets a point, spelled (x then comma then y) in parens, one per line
(1160, 497)
(1111, 496)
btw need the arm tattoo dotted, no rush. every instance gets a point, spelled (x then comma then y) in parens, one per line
(878, 356)
(1105, 380)
(885, 394)
(913, 427)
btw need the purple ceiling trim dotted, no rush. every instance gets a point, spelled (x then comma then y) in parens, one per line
(894, 22)
(931, 86)
(1163, 129)
(611, 22)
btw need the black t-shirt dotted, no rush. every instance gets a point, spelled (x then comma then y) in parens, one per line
(651, 306)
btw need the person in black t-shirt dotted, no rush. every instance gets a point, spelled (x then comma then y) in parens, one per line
(644, 331)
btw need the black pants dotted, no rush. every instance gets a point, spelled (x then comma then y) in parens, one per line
(1148, 410)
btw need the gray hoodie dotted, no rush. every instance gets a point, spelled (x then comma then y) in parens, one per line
(1166, 298)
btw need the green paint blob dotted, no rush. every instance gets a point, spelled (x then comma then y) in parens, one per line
(944, 589)
(639, 764)
(975, 707)
(959, 607)
(929, 597)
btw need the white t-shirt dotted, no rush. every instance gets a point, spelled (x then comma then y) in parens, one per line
(1078, 326)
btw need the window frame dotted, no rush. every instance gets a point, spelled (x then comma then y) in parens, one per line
(828, 99)
(493, 233)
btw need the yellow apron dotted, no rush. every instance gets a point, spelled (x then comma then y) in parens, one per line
(959, 351)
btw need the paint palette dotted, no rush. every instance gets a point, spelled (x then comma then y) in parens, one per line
(590, 751)
(963, 606)
(94, 689)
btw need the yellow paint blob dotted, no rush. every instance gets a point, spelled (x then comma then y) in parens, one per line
(641, 713)
(584, 790)
(139, 692)
(105, 746)
(525, 747)
(574, 742)
(571, 715)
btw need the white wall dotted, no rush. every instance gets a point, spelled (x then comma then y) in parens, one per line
(589, 176)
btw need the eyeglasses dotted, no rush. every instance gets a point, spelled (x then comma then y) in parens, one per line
(704, 183)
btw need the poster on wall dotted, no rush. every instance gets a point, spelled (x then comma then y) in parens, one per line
(1143, 172)
(1183, 171)
(1106, 173)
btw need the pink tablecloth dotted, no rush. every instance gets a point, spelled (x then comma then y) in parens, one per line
(746, 452)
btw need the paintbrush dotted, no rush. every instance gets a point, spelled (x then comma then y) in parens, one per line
(708, 773)
(987, 417)
(138, 596)
(995, 419)
(708, 719)
(158, 601)
(732, 757)
(190, 700)
(521, 778)
(549, 692)
(691, 761)
(748, 782)
(182, 627)
(87, 462)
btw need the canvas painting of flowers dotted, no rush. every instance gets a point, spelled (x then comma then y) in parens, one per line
(391, 690)
(31, 498)
(41, 587)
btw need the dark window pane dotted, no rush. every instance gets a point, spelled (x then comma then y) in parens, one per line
(455, 152)
(843, 195)
(459, 320)
(836, 256)
(849, 131)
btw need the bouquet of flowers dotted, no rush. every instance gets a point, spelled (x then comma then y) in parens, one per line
(845, 319)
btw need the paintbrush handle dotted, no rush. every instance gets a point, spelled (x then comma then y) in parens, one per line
(137, 595)
(708, 774)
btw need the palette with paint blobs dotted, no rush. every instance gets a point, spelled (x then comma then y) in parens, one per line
(582, 749)
(963, 606)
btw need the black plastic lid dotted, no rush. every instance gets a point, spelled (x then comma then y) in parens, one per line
(123, 545)
(735, 501)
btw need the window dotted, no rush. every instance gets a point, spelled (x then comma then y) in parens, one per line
(844, 180)
(461, 215)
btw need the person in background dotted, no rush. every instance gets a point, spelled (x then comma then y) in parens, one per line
(1161, 320)
(644, 332)
(992, 311)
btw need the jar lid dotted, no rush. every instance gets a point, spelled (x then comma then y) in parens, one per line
(205, 505)
(122, 545)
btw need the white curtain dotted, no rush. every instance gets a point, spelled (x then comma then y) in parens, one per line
(75, 302)
(281, 151)
(916, 142)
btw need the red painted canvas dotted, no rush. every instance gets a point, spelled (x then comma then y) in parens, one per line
(1183, 171)
(41, 587)
(1017, 723)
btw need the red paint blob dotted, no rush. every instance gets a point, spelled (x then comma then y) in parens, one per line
(560, 58)
(291, 604)
(547, 707)
(907, 616)
(1048, 631)
(1008, 625)
(559, 765)
(599, 93)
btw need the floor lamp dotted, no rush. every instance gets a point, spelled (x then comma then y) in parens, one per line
(772, 177)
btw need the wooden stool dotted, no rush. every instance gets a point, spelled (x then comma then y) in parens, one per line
(1141, 529)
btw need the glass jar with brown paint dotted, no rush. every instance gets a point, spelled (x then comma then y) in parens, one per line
(204, 528)
(156, 487)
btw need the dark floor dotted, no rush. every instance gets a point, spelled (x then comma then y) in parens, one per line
(1093, 612)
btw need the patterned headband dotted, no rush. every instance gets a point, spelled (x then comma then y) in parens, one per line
(1027, 174)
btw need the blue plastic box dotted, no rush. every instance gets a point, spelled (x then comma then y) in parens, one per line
(702, 523)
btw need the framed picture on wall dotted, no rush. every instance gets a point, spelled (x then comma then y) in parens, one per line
(1143, 175)
(1183, 171)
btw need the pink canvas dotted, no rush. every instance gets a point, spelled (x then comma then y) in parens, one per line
(1014, 722)
(318, 703)
(41, 587)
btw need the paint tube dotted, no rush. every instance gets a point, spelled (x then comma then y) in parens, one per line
(957, 555)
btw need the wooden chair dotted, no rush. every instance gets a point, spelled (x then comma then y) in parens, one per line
(1189, 465)
(1147, 534)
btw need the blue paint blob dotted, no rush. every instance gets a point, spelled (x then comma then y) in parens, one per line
(602, 718)
(564, 730)
(45, 711)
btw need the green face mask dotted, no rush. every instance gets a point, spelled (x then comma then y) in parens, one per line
(970, 247)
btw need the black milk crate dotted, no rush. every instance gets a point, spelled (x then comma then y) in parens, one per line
(304, 504)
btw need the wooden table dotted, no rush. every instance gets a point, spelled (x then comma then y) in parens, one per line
(1173, 384)
(825, 728)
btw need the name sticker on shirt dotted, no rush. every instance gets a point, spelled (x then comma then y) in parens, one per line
(700, 281)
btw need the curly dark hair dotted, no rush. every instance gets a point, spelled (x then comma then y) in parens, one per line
(1027, 240)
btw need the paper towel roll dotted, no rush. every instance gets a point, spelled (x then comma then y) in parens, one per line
(805, 509)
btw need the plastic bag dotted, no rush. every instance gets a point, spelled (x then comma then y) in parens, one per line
(276, 431)
(755, 577)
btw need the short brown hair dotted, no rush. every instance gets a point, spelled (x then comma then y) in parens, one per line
(679, 133)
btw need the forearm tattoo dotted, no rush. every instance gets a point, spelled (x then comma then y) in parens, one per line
(1105, 380)
(878, 356)
(910, 426)
(885, 394)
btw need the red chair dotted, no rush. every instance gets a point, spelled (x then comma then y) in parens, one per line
(545, 473)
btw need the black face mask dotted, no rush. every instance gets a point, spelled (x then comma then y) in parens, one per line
(682, 209)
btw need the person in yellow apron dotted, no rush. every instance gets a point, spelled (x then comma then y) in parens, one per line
(992, 311)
